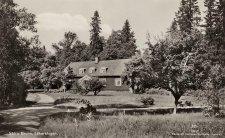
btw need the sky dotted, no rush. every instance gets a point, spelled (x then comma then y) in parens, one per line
(55, 17)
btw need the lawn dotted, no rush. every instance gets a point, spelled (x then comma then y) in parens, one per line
(133, 126)
(32, 97)
(111, 99)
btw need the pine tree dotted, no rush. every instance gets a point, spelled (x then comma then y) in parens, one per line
(95, 39)
(128, 40)
(126, 32)
(210, 19)
(188, 15)
(214, 29)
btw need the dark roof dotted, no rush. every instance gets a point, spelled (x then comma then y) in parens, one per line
(115, 67)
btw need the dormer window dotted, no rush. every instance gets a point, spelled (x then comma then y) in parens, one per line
(103, 69)
(92, 70)
(82, 70)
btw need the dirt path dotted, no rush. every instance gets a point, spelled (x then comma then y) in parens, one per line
(24, 122)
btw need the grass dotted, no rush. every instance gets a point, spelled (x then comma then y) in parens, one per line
(114, 99)
(133, 126)
(33, 97)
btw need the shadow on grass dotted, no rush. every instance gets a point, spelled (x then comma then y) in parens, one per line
(1, 119)
(25, 104)
(98, 95)
(120, 106)
(23, 120)
(7, 128)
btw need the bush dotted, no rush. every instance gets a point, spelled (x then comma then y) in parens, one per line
(147, 100)
(88, 109)
(93, 84)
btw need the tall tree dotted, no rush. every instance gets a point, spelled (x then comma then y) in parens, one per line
(188, 15)
(96, 43)
(67, 50)
(51, 75)
(171, 66)
(214, 31)
(126, 32)
(13, 48)
(210, 18)
(129, 42)
(121, 44)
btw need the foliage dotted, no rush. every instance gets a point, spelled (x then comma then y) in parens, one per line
(121, 44)
(13, 48)
(136, 74)
(214, 92)
(169, 64)
(36, 58)
(96, 41)
(147, 100)
(88, 109)
(32, 78)
(51, 75)
(93, 84)
(212, 57)
(188, 15)
(69, 78)
(70, 49)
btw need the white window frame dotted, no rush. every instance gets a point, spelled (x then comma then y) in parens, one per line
(103, 70)
(82, 70)
(118, 80)
(92, 70)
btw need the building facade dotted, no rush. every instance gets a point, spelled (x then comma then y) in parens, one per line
(109, 71)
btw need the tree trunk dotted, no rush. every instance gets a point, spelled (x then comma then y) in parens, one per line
(176, 103)
(95, 93)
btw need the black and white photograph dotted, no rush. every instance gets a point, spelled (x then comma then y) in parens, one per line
(112, 68)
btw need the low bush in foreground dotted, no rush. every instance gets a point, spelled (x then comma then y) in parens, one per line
(126, 126)
(147, 100)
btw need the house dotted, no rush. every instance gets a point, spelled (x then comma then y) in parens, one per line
(109, 71)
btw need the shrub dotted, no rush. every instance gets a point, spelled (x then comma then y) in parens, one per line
(88, 109)
(93, 84)
(147, 100)
(83, 101)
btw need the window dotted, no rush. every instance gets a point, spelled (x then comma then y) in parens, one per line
(118, 82)
(103, 80)
(103, 69)
(92, 70)
(82, 70)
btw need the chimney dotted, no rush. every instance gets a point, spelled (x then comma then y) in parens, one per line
(97, 60)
